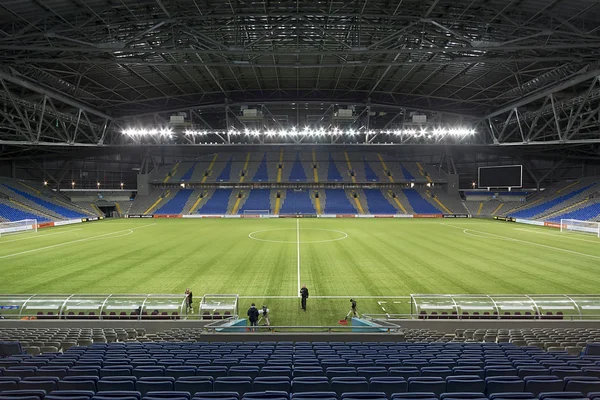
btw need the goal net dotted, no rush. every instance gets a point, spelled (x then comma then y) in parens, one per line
(574, 225)
(257, 212)
(14, 227)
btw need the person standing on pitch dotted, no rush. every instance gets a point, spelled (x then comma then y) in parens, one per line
(352, 311)
(304, 295)
(253, 315)
(264, 313)
(189, 307)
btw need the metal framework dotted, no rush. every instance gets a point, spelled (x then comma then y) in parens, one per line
(76, 73)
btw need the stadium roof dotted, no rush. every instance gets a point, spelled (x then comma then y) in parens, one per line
(94, 64)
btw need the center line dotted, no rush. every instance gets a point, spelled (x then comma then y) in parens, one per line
(298, 249)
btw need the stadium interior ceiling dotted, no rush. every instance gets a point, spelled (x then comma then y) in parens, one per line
(524, 74)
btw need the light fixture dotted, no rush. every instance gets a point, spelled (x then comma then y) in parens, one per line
(98, 184)
(122, 184)
(73, 184)
(45, 183)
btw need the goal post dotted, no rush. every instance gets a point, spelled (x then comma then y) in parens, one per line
(14, 227)
(574, 225)
(257, 212)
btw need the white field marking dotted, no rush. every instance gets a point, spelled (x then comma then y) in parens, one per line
(494, 236)
(40, 236)
(298, 249)
(114, 237)
(560, 235)
(397, 302)
(383, 309)
(250, 235)
(323, 297)
(381, 302)
(71, 242)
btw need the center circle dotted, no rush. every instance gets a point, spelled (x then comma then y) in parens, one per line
(289, 235)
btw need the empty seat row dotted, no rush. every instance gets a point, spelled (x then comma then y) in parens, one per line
(241, 384)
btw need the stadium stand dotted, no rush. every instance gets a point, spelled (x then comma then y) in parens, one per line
(370, 174)
(297, 202)
(262, 174)
(338, 202)
(551, 202)
(297, 174)
(61, 211)
(257, 199)
(378, 203)
(333, 173)
(225, 174)
(419, 204)
(217, 203)
(583, 212)
(9, 212)
(177, 203)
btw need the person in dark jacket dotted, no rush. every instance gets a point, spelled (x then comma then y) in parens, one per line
(304, 295)
(253, 315)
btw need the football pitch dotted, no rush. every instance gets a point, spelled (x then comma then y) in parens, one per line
(376, 261)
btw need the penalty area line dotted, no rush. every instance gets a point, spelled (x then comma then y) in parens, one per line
(72, 241)
(509, 239)
(40, 236)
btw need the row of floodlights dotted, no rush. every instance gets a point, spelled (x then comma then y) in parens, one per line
(321, 132)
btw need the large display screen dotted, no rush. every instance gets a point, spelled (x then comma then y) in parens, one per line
(501, 176)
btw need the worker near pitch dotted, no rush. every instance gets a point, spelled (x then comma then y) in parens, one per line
(304, 296)
(353, 312)
(253, 315)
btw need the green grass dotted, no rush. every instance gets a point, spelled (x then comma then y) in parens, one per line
(379, 257)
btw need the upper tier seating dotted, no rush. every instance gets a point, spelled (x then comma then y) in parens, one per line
(258, 199)
(338, 202)
(262, 173)
(377, 202)
(539, 209)
(419, 204)
(177, 203)
(225, 175)
(297, 202)
(370, 175)
(588, 213)
(14, 214)
(333, 173)
(297, 174)
(65, 212)
(217, 204)
(188, 174)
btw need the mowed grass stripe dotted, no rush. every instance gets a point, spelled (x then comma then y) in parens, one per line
(380, 257)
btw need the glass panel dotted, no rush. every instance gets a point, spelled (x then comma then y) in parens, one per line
(12, 305)
(476, 306)
(44, 306)
(588, 305)
(83, 306)
(163, 305)
(123, 306)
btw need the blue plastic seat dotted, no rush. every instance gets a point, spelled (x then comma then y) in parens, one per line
(78, 383)
(52, 371)
(117, 383)
(414, 396)
(388, 384)
(543, 383)
(325, 395)
(332, 372)
(244, 370)
(47, 384)
(583, 384)
(22, 394)
(349, 384)
(440, 372)
(272, 383)
(512, 396)
(21, 371)
(239, 384)
(266, 395)
(212, 370)
(71, 394)
(148, 371)
(427, 384)
(364, 396)
(194, 384)
(562, 395)
(276, 371)
(499, 371)
(168, 395)
(504, 384)
(180, 371)
(404, 372)
(9, 382)
(465, 383)
(216, 396)
(463, 396)
(116, 370)
(299, 372)
(310, 384)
